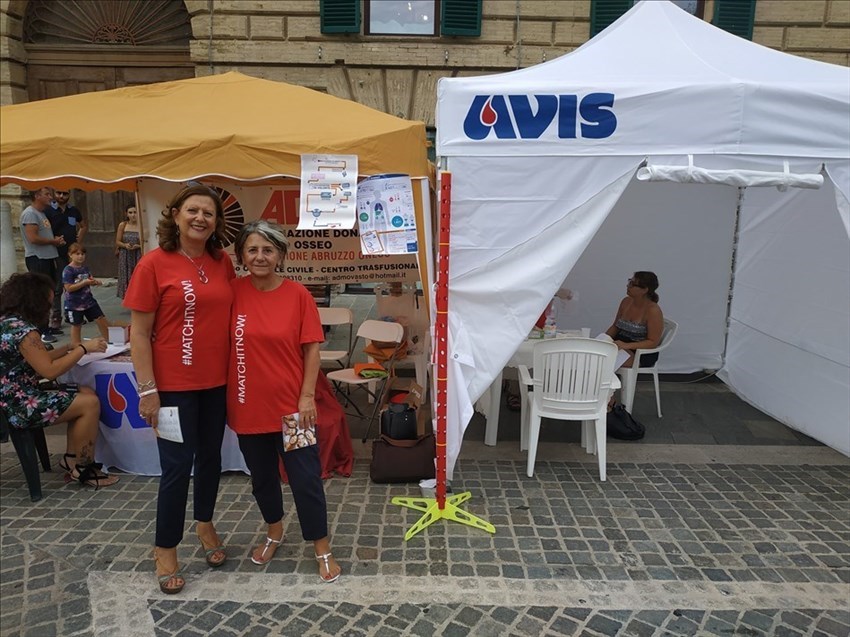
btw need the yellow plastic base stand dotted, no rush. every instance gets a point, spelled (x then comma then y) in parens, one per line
(432, 513)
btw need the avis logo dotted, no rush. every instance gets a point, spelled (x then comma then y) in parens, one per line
(491, 112)
(121, 401)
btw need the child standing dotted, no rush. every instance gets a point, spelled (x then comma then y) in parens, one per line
(128, 248)
(80, 304)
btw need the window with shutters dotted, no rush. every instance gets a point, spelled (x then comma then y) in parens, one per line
(735, 16)
(604, 12)
(423, 18)
(340, 16)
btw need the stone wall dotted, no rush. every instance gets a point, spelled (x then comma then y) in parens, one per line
(281, 39)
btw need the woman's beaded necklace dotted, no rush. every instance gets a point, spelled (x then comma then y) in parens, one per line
(202, 276)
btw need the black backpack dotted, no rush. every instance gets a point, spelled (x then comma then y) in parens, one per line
(623, 426)
(398, 421)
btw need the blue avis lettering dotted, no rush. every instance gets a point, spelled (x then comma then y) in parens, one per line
(519, 116)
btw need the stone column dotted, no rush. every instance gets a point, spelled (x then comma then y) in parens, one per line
(8, 258)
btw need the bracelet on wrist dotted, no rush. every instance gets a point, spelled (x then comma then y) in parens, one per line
(148, 392)
(85, 351)
(151, 384)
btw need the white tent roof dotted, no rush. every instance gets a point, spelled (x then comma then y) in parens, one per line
(678, 83)
(539, 158)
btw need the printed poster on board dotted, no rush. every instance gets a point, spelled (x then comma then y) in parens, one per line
(328, 192)
(385, 215)
(328, 255)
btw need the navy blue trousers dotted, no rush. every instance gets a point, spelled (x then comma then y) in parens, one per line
(202, 415)
(304, 469)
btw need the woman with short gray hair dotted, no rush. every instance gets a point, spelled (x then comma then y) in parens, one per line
(271, 405)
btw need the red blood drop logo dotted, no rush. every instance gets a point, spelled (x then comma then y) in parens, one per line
(116, 400)
(488, 115)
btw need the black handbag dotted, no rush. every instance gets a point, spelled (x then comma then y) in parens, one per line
(402, 460)
(398, 421)
(622, 425)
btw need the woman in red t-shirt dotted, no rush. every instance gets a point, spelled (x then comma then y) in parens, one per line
(180, 297)
(274, 364)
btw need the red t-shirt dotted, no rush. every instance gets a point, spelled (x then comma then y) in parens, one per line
(267, 330)
(191, 342)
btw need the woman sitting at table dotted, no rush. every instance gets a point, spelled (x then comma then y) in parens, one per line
(639, 321)
(25, 302)
(274, 366)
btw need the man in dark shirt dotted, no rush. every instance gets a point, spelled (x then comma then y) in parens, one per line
(66, 221)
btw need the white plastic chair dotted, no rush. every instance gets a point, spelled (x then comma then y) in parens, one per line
(384, 331)
(629, 375)
(573, 379)
(331, 317)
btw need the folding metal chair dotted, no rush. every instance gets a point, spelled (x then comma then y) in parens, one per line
(381, 331)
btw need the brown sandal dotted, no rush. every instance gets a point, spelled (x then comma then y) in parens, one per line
(165, 578)
(209, 553)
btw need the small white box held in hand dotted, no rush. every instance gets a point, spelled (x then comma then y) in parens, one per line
(119, 335)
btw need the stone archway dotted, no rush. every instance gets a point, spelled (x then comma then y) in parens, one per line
(79, 46)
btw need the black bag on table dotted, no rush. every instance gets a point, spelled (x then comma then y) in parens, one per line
(623, 426)
(398, 421)
(402, 460)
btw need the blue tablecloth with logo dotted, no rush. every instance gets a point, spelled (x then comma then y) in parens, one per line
(127, 442)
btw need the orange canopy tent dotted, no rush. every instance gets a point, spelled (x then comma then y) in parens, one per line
(229, 125)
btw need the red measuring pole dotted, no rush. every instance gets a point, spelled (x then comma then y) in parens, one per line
(441, 331)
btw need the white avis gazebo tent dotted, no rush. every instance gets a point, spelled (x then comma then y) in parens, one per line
(740, 205)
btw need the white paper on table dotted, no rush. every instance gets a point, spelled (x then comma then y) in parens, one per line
(622, 355)
(111, 350)
(168, 427)
(328, 192)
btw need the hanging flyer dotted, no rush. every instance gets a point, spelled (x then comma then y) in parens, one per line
(328, 192)
(386, 215)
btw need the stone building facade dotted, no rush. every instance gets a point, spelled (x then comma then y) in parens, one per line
(282, 40)
(50, 48)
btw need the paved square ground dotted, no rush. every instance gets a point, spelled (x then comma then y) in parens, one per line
(721, 522)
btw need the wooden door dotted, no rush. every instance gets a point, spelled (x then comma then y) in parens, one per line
(102, 210)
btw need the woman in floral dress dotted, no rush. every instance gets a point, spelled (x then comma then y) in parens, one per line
(25, 301)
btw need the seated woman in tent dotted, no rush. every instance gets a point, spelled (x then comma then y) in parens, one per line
(639, 322)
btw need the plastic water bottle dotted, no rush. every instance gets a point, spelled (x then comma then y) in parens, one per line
(549, 328)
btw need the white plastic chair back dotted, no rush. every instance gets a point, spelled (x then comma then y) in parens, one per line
(667, 336)
(572, 377)
(629, 374)
(572, 381)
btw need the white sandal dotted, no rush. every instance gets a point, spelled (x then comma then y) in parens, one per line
(269, 543)
(324, 558)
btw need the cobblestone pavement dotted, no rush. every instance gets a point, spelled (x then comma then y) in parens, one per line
(744, 544)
